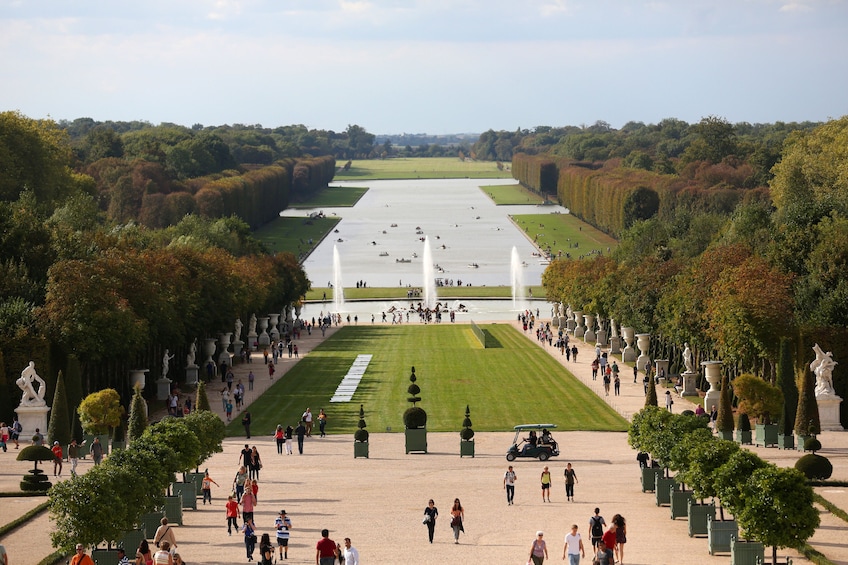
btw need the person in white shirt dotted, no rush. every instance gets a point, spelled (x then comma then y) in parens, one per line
(351, 555)
(509, 485)
(573, 547)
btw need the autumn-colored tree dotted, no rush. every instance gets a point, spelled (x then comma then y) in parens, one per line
(101, 411)
(757, 398)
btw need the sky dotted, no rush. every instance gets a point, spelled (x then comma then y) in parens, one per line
(425, 66)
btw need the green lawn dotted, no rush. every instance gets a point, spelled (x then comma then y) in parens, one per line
(510, 382)
(421, 168)
(561, 232)
(507, 194)
(333, 196)
(294, 234)
(398, 293)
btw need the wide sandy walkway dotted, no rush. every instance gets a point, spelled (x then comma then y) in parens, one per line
(378, 502)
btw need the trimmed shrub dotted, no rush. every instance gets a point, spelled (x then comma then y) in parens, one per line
(415, 417)
(744, 424)
(814, 467)
(812, 444)
(361, 435)
(467, 433)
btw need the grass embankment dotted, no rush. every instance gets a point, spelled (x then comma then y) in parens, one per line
(333, 197)
(510, 382)
(564, 232)
(296, 235)
(399, 293)
(510, 194)
(421, 168)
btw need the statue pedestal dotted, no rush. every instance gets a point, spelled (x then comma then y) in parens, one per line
(615, 345)
(32, 417)
(661, 364)
(163, 389)
(829, 412)
(191, 375)
(690, 384)
(602, 338)
(237, 347)
(252, 340)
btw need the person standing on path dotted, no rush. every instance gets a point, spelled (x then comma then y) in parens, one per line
(573, 547)
(280, 438)
(570, 479)
(250, 378)
(430, 515)
(97, 451)
(307, 420)
(322, 422)
(539, 550)
(79, 558)
(609, 539)
(457, 519)
(635, 373)
(283, 525)
(546, 483)
(73, 456)
(325, 549)
(668, 400)
(206, 487)
(713, 417)
(57, 459)
(596, 527)
(245, 455)
(233, 514)
(255, 463)
(574, 353)
(603, 555)
(301, 433)
(225, 398)
(249, 530)
(245, 421)
(239, 481)
(616, 381)
(164, 534)
(620, 537)
(248, 501)
(509, 485)
(289, 434)
(350, 553)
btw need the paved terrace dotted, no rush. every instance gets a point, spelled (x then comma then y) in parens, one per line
(378, 502)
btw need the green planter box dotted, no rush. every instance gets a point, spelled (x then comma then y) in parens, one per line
(649, 478)
(726, 435)
(766, 434)
(786, 442)
(746, 552)
(360, 449)
(416, 440)
(799, 442)
(105, 556)
(197, 479)
(119, 445)
(174, 509)
(466, 448)
(744, 438)
(131, 540)
(188, 494)
(662, 489)
(149, 522)
(699, 515)
(720, 534)
(679, 502)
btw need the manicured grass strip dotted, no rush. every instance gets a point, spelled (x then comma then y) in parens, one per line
(831, 507)
(814, 555)
(55, 558)
(422, 168)
(565, 233)
(508, 194)
(294, 234)
(399, 293)
(6, 529)
(509, 382)
(333, 196)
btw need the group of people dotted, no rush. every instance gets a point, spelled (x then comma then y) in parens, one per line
(12, 432)
(607, 546)
(457, 519)
(569, 474)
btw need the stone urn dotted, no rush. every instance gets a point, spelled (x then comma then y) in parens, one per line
(570, 324)
(712, 372)
(601, 334)
(643, 342)
(579, 330)
(224, 342)
(209, 350)
(589, 332)
(629, 354)
(138, 377)
(274, 320)
(615, 340)
(264, 339)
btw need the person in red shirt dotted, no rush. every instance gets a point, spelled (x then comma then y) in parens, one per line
(609, 538)
(57, 459)
(232, 514)
(325, 550)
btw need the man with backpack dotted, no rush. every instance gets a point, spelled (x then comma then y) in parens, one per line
(596, 527)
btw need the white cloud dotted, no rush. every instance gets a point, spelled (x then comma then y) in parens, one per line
(796, 7)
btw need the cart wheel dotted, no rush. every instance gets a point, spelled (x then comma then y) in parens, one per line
(510, 456)
(543, 456)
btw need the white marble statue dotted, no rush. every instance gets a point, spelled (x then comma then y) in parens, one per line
(251, 325)
(237, 333)
(688, 359)
(192, 353)
(822, 367)
(26, 382)
(166, 361)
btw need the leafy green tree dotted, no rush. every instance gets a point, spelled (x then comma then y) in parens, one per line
(640, 204)
(59, 428)
(138, 416)
(201, 401)
(715, 139)
(101, 411)
(778, 508)
(209, 429)
(643, 424)
(681, 456)
(807, 421)
(705, 459)
(730, 479)
(178, 436)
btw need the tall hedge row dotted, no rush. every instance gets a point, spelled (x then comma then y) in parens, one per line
(536, 172)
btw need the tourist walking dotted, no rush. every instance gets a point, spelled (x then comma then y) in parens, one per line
(325, 549)
(322, 422)
(570, 479)
(255, 463)
(164, 534)
(668, 400)
(430, 515)
(57, 458)
(143, 555)
(280, 437)
(206, 487)
(245, 421)
(233, 514)
(163, 556)
(573, 547)
(307, 421)
(509, 485)
(283, 525)
(546, 483)
(620, 537)
(249, 530)
(248, 501)
(289, 434)
(96, 450)
(266, 550)
(609, 539)
(300, 431)
(603, 555)
(350, 555)
(596, 527)
(539, 550)
(239, 481)
(457, 519)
